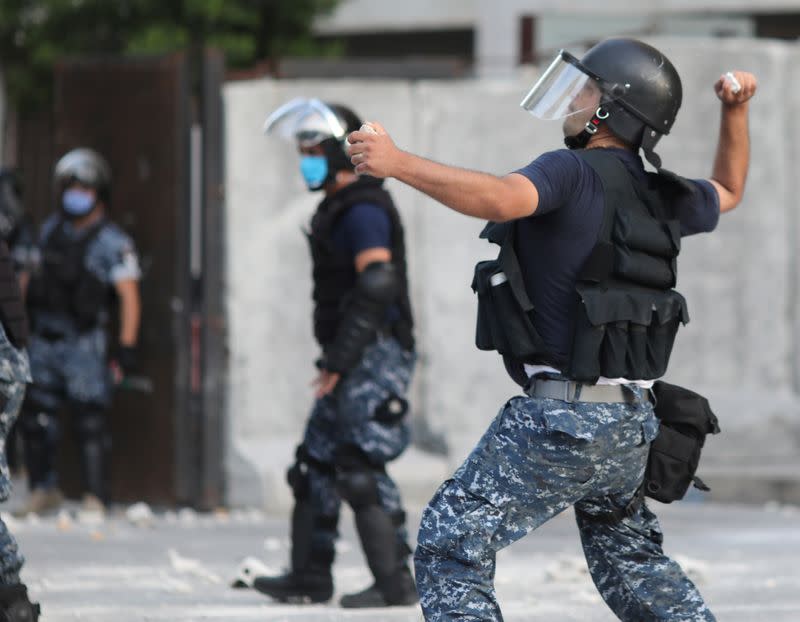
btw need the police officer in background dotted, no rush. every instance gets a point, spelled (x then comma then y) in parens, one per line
(588, 246)
(85, 262)
(363, 324)
(14, 375)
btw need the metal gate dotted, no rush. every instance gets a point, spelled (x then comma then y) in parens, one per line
(158, 122)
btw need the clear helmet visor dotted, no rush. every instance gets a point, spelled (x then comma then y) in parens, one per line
(306, 122)
(566, 89)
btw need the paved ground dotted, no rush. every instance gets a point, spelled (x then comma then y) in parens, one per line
(177, 567)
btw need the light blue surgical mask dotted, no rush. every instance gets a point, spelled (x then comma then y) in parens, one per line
(77, 202)
(314, 170)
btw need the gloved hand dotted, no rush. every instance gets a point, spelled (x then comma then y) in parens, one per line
(124, 361)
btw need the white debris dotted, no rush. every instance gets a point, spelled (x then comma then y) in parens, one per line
(186, 565)
(140, 514)
(248, 570)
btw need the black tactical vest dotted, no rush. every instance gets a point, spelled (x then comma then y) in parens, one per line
(628, 312)
(12, 310)
(63, 284)
(333, 270)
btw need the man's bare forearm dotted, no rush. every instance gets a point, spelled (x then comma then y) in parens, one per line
(468, 192)
(130, 312)
(472, 193)
(732, 158)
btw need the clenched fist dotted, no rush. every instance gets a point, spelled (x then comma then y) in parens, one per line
(373, 153)
(725, 87)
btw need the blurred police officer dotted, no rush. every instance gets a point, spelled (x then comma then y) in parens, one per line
(85, 261)
(14, 375)
(588, 253)
(363, 323)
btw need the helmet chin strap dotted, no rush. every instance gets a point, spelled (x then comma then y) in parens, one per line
(581, 139)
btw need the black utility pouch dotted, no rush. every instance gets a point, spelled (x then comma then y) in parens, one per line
(685, 418)
(504, 323)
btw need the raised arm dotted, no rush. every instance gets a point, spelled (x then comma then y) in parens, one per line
(469, 192)
(733, 147)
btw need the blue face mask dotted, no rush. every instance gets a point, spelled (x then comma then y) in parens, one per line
(314, 170)
(77, 202)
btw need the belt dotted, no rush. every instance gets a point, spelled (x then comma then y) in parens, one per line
(571, 391)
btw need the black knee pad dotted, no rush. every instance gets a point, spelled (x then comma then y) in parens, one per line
(355, 477)
(38, 424)
(297, 475)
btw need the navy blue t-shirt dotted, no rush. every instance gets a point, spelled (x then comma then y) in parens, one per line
(555, 241)
(363, 226)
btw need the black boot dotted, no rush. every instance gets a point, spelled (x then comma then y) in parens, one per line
(386, 558)
(404, 593)
(311, 584)
(15, 605)
(310, 579)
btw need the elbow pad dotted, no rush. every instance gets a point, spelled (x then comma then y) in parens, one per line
(376, 288)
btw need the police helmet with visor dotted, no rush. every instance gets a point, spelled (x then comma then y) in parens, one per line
(624, 84)
(311, 123)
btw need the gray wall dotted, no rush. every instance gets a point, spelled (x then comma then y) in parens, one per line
(741, 346)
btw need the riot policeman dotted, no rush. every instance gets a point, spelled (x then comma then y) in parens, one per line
(86, 264)
(14, 376)
(363, 324)
(582, 306)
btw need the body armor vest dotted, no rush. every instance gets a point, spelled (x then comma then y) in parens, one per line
(628, 312)
(333, 270)
(63, 284)
(12, 310)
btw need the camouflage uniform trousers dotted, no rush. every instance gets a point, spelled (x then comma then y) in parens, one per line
(539, 457)
(14, 375)
(346, 417)
(74, 368)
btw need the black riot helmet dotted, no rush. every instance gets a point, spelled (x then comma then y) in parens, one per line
(640, 92)
(312, 122)
(87, 167)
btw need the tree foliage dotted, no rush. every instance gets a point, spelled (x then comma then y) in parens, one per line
(36, 33)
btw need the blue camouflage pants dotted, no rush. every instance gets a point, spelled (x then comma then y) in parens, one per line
(11, 396)
(347, 418)
(539, 457)
(74, 368)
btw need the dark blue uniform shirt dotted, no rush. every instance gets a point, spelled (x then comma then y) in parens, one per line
(363, 226)
(554, 242)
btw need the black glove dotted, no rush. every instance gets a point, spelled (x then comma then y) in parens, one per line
(126, 359)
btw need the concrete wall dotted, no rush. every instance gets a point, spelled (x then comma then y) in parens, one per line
(742, 347)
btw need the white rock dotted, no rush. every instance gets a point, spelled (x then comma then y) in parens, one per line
(140, 514)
